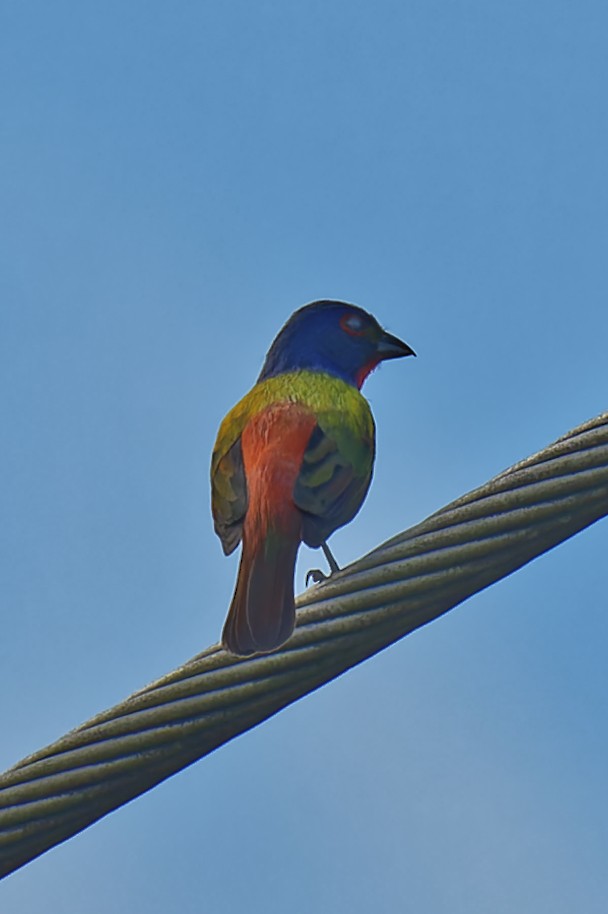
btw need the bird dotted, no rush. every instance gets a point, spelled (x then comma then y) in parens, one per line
(293, 462)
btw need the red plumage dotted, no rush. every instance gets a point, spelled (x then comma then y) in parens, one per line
(262, 612)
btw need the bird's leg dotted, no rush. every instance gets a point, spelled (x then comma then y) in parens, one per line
(316, 575)
(333, 565)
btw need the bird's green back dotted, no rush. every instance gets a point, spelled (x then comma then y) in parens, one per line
(340, 409)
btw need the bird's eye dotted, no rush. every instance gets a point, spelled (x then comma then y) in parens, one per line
(353, 324)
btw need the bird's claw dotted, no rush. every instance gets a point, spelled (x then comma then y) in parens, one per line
(315, 575)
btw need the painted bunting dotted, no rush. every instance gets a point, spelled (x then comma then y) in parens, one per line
(293, 461)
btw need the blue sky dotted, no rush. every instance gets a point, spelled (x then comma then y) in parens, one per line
(175, 180)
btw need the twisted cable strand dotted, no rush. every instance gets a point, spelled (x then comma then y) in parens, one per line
(403, 584)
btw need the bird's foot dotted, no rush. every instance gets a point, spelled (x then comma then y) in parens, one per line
(316, 575)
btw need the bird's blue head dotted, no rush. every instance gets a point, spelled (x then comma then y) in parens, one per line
(334, 337)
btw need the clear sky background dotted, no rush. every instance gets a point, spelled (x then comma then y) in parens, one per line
(176, 178)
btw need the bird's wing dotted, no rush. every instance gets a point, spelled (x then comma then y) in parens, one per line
(334, 478)
(228, 495)
(336, 468)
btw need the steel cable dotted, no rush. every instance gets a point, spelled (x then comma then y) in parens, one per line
(403, 584)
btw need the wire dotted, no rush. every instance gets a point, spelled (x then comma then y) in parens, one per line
(405, 583)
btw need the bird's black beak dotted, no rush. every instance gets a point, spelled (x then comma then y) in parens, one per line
(391, 347)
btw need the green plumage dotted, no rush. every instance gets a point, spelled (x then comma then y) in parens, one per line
(337, 465)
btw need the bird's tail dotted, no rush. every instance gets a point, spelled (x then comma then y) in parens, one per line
(262, 613)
